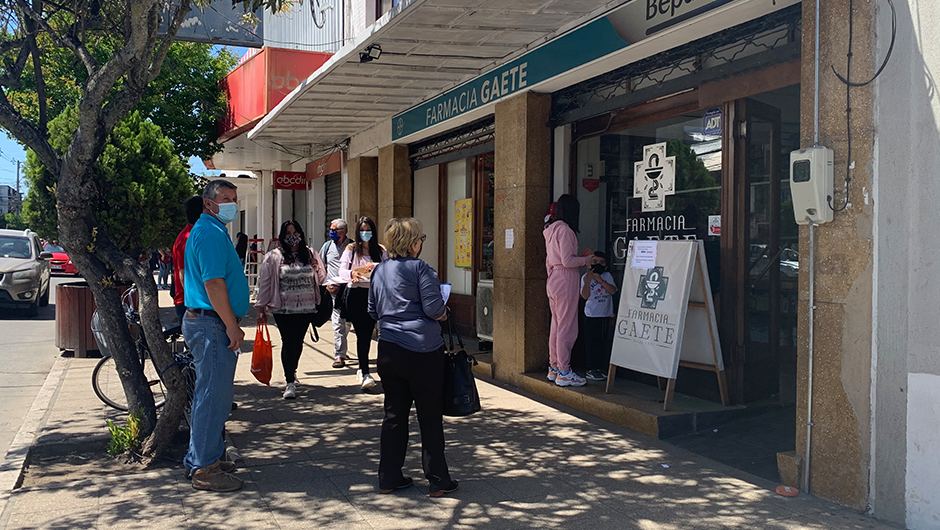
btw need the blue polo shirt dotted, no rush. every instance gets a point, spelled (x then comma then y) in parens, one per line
(210, 255)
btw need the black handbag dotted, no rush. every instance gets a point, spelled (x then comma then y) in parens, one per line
(324, 308)
(461, 397)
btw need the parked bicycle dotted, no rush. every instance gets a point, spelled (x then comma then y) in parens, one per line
(105, 379)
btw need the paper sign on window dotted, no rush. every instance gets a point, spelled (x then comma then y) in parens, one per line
(463, 233)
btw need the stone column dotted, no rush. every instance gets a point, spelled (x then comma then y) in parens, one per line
(841, 442)
(363, 194)
(266, 207)
(396, 196)
(522, 186)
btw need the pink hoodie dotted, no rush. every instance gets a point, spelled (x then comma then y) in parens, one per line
(561, 247)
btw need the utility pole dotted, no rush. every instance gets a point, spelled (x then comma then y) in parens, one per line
(19, 196)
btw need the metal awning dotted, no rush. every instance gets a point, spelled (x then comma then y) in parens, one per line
(428, 46)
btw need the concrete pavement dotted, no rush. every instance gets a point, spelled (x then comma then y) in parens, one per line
(312, 463)
(27, 352)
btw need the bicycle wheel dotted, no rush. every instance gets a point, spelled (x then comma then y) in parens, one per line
(107, 384)
(183, 361)
(189, 373)
(153, 381)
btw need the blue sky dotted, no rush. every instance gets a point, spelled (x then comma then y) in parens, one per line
(10, 150)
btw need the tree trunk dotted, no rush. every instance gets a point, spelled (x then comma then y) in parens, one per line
(101, 263)
(111, 312)
(133, 65)
(176, 399)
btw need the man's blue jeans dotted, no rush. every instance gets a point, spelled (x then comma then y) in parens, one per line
(215, 382)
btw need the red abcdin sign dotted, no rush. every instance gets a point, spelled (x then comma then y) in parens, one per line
(328, 165)
(290, 180)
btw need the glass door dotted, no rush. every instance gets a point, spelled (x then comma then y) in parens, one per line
(762, 250)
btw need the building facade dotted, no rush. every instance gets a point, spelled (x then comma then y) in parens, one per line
(9, 199)
(491, 113)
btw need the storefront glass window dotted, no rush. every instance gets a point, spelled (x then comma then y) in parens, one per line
(611, 215)
(458, 189)
(485, 168)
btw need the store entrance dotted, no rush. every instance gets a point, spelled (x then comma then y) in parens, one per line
(767, 273)
(732, 193)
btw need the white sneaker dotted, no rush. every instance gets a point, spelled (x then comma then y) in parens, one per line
(570, 378)
(291, 391)
(367, 383)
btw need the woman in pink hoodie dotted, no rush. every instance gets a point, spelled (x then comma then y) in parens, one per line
(563, 263)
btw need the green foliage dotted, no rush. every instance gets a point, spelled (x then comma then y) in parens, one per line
(691, 174)
(185, 100)
(13, 221)
(39, 205)
(141, 182)
(124, 438)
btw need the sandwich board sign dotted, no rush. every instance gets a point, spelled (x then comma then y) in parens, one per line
(667, 316)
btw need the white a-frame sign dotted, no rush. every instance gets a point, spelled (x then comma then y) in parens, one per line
(667, 317)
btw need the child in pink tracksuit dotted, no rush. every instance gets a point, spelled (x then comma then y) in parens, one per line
(563, 286)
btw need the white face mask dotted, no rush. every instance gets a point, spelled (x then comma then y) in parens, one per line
(228, 211)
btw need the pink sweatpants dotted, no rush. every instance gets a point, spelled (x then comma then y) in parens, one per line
(562, 287)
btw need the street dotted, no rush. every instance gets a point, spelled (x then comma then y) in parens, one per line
(27, 353)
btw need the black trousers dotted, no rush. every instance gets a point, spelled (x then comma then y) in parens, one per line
(411, 377)
(357, 312)
(293, 328)
(598, 337)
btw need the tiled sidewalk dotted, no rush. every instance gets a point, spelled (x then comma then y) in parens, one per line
(311, 463)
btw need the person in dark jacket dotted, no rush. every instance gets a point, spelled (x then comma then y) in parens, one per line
(241, 246)
(405, 299)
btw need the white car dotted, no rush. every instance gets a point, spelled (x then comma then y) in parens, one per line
(24, 271)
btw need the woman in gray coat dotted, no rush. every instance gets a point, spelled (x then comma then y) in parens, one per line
(406, 301)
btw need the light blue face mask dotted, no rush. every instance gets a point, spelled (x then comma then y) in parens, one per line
(365, 235)
(228, 211)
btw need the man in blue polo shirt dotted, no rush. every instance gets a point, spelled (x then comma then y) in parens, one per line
(216, 299)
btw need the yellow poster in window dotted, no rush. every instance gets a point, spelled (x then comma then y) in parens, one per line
(463, 233)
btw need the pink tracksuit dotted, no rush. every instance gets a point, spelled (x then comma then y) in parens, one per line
(564, 279)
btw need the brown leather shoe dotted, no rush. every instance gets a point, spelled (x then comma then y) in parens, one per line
(212, 478)
(227, 467)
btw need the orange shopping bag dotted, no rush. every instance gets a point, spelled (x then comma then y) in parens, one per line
(261, 356)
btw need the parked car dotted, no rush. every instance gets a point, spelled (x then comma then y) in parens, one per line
(24, 271)
(61, 262)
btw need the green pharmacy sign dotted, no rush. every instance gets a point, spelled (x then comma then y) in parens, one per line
(628, 24)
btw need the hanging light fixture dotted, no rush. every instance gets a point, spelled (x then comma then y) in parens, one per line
(371, 53)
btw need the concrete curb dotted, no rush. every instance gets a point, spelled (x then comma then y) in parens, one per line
(15, 459)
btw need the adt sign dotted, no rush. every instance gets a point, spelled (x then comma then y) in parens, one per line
(711, 123)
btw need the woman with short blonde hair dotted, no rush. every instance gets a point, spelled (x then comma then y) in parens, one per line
(400, 235)
(406, 301)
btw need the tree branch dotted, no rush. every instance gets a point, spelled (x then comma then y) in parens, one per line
(12, 44)
(14, 72)
(38, 76)
(70, 42)
(40, 88)
(26, 132)
(146, 71)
